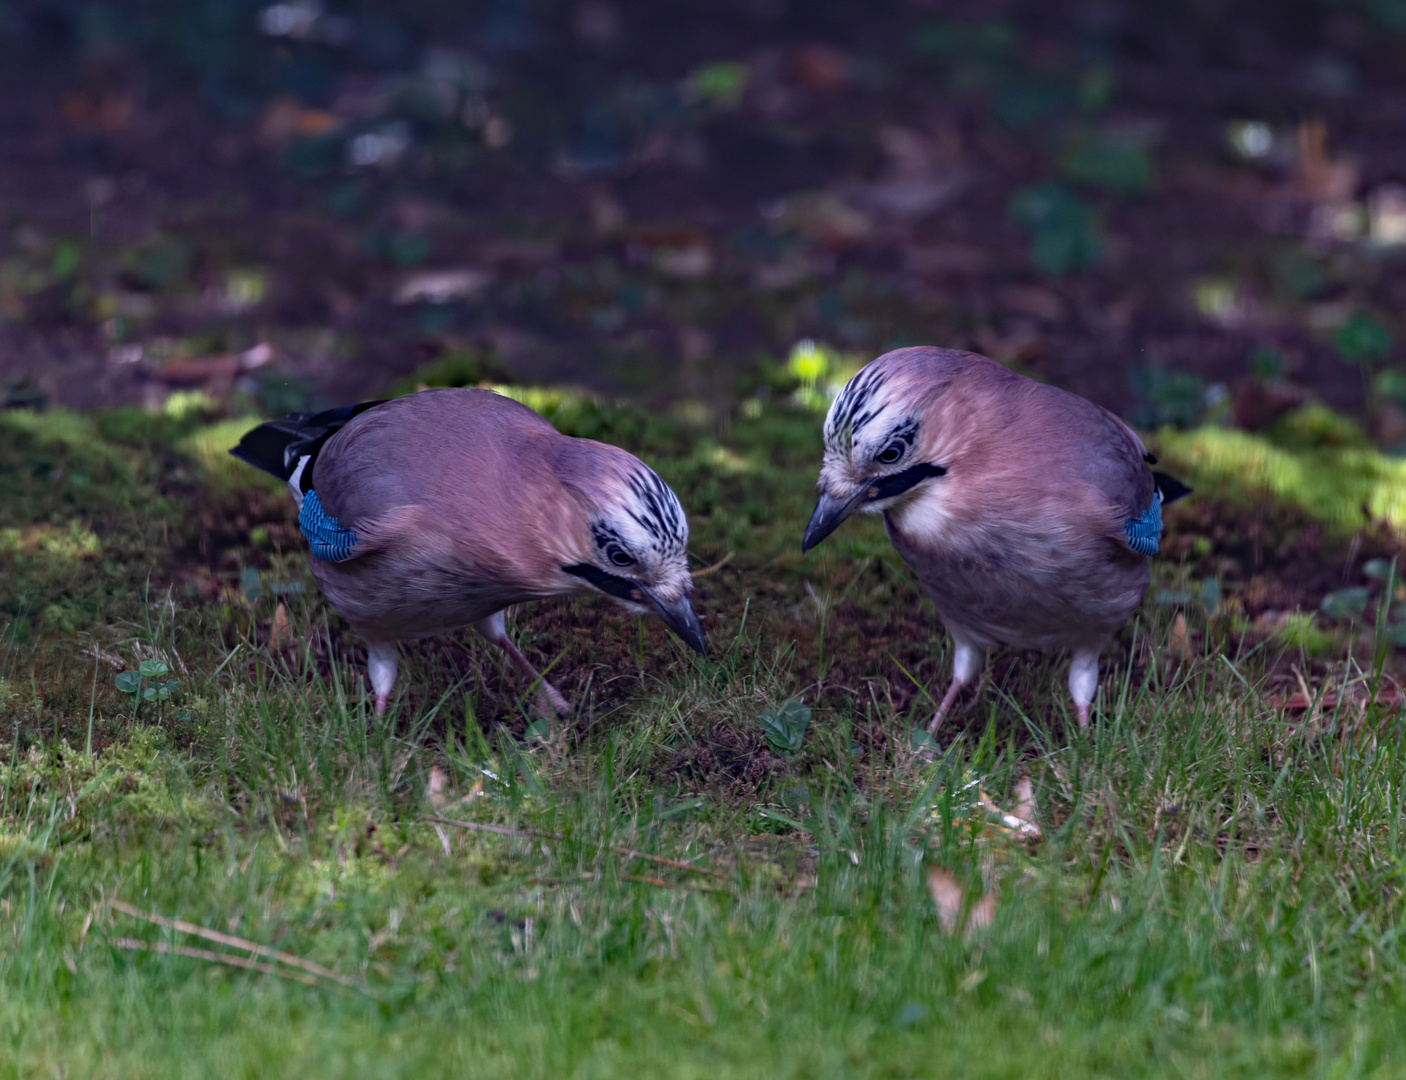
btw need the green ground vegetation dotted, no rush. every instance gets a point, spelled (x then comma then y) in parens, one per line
(1215, 888)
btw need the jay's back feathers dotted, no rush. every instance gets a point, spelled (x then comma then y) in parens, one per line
(432, 511)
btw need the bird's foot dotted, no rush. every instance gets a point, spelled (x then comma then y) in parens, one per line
(552, 703)
(1083, 711)
(382, 700)
(549, 698)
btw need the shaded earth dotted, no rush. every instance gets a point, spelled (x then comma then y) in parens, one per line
(657, 201)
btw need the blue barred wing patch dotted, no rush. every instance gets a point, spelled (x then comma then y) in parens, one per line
(330, 540)
(1145, 533)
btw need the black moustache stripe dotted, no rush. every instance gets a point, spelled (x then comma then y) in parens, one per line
(889, 486)
(607, 583)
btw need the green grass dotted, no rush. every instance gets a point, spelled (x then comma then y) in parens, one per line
(1216, 892)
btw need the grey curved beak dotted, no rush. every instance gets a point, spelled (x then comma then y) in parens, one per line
(829, 513)
(678, 616)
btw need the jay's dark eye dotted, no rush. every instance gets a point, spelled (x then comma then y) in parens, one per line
(619, 556)
(891, 453)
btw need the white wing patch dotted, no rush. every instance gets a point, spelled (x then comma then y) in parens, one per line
(295, 481)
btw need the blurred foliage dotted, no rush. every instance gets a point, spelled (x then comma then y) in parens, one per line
(1390, 14)
(1299, 274)
(1064, 237)
(1363, 338)
(720, 83)
(1390, 385)
(455, 368)
(1165, 396)
(1117, 163)
(1267, 363)
(821, 373)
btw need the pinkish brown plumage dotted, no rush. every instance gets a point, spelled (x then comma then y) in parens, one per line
(441, 509)
(1024, 510)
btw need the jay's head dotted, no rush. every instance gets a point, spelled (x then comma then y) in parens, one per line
(634, 544)
(878, 451)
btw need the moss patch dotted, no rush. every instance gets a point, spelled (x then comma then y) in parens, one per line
(1312, 459)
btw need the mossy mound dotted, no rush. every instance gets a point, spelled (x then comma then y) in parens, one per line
(1312, 458)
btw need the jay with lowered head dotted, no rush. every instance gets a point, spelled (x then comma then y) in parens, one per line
(437, 511)
(1026, 511)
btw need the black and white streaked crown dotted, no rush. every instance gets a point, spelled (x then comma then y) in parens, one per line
(858, 403)
(657, 510)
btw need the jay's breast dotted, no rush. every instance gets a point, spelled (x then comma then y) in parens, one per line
(1033, 596)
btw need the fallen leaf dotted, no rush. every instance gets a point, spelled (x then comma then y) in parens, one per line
(1321, 176)
(442, 286)
(103, 111)
(1300, 701)
(1032, 300)
(436, 790)
(286, 119)
(982, 912)
(972, 981)
(1177, 642)
(1256, 404)
(947, 895)
(1012, 823)
(281, 631)
(198, 370)
(215, 370)
(821, 69)
(1024, 799)
(694, 261)
(826, 217)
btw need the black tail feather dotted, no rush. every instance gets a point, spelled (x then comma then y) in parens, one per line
(1171, 488)
(277, 446)
(264, 446)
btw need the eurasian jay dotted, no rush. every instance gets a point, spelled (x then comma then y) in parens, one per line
(1026, 511)
(436, 511)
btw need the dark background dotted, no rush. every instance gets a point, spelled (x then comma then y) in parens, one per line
(1184, 210)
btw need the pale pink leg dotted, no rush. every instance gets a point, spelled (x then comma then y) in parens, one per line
(382, 665)
(550, 699)
(1083, 680)
(953, 689)
(966, 662)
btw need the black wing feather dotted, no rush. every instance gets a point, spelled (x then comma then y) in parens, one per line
(277, 446)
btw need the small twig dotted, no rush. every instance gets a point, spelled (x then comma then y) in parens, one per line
(696, 574)
(534, 834)
(236, 943)
(648, 880)
(501, 830)
(214, 958)
(675, 863)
